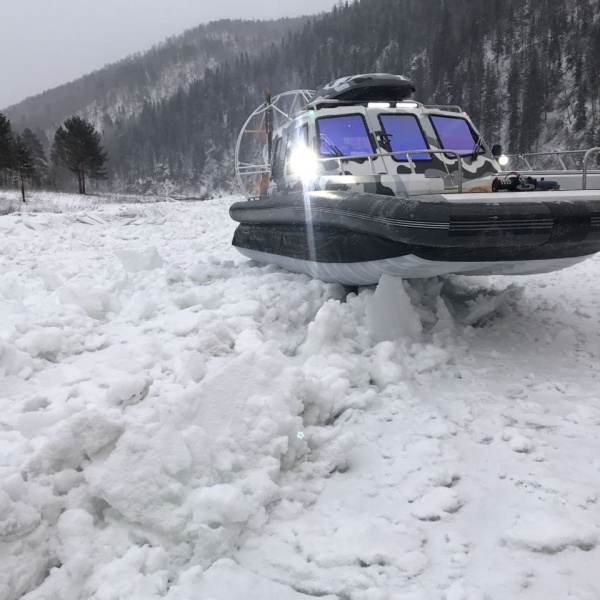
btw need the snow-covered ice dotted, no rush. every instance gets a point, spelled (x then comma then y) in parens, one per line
(178, 422)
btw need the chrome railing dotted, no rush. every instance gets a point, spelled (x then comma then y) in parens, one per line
(585, 165)
(449, 107)
(245, 170)
(559, 155)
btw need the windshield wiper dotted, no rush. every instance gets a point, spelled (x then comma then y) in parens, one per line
(332, 147)
(477, 148)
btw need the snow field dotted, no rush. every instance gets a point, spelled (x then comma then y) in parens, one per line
(58, 202)
(177, 422)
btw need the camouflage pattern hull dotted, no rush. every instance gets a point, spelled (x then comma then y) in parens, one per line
(353, 238)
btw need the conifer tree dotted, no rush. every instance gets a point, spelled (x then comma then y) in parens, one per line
(514, 106)
(77, 147)
(23, 162)
(533, 105)
(5, 147)
(38, 155)
(580, 110)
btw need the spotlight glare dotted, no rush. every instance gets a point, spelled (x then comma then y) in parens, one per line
(304, 163)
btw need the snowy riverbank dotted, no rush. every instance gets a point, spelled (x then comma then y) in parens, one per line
(177, 422)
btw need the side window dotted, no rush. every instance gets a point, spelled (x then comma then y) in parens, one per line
(301, 135)
(404, 133)
(346, 135)
(278, 156)
(456, 134)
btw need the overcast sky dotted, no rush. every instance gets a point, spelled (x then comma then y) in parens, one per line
(44, 43)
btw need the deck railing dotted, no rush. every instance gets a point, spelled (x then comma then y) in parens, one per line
(560, 156)
(586, 158)
(246, 170)
(374, 156)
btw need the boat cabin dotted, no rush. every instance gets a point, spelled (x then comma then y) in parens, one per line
(371, 137)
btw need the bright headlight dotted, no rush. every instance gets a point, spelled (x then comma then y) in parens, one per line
(503, 160)
(304, 163)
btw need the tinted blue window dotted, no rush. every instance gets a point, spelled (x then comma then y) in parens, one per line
(344, 136)
(404, 133)
(455, 134)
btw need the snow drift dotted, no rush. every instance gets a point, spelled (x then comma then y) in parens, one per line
(177, 422)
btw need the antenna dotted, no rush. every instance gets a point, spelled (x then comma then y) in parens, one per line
(269, 124)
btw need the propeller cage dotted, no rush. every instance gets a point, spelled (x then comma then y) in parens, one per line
(253, 147)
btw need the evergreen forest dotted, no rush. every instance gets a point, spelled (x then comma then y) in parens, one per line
(526, 71)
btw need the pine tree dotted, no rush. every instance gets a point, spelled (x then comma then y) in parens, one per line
(492, 114)
(514, 106)
(23, 162)
(580, 110)
(38, 155)
(5, 148)
(533, 105)
(77, 147)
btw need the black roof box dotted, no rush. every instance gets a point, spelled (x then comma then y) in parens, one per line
(369, 87)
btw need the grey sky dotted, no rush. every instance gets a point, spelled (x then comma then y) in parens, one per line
(44, 43)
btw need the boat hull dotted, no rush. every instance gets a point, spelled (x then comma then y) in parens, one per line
(407, 267)
(354, 238)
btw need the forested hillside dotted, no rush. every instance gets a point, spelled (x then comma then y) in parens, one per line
(527, 71)
(119, 91)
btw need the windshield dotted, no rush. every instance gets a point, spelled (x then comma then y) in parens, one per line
(403, 132)
(455, 133)
(346, 135)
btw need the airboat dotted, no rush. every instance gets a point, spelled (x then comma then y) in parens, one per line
(357, 179)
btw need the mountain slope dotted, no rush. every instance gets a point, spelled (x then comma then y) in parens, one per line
(531, 83)
(118, 91)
